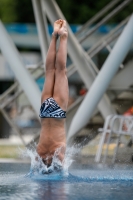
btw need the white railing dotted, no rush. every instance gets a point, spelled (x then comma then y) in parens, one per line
(124, 127)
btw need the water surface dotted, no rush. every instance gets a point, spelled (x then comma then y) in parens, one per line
(80, 184)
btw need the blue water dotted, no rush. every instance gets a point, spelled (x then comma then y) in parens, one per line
(80, 184)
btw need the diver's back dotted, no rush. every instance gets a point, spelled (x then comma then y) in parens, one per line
(52, 136)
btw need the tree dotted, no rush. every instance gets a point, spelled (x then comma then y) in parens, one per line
(75, 11)
(16, 11)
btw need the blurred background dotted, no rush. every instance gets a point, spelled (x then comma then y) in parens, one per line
(19, 124)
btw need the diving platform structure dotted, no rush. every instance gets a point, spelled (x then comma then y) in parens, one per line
(97, 100)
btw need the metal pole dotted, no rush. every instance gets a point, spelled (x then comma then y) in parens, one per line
(8, 91)
(111, 14)
(15, 128)
(23, 76)
(115, 31)
(103, 79)
(100, 45)
(118, 140)
(97, 16)
(41, 26)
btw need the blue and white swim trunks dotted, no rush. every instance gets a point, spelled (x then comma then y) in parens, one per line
(50, 109)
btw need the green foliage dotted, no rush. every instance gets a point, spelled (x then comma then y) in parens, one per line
(16, 11)
(25, 11)
(78, 12)
(9, 151)
(8, 11)
(75, 11)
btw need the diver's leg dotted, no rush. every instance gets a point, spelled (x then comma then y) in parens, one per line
(61, 92)
(53, 137)
(50, 64)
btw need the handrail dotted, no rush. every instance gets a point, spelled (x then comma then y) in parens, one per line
(110, 122)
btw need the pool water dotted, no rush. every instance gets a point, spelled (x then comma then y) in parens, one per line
(80, 184)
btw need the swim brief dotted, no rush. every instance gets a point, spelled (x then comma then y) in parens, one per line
(50, 109)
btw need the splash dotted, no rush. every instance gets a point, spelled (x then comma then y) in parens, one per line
(38, 167)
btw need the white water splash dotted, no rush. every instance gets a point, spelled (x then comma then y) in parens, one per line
(38, 167)
(68, 160)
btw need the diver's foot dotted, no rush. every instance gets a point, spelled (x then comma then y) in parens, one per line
(63, 29)
(57, 26)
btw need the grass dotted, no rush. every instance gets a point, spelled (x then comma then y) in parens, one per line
(10, 151)
(91, 150)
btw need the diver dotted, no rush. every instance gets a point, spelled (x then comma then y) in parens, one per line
(54, 99)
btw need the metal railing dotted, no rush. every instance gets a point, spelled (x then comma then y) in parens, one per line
(125, 127)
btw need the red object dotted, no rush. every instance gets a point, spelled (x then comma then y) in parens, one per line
(82, 91)
(129, 112)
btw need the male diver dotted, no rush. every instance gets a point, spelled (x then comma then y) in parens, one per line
(54, 98)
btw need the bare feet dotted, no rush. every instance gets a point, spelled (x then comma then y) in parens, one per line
(57, 26)
(60, 28)
(63, 29)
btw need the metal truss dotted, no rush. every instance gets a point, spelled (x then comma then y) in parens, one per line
(81, 59)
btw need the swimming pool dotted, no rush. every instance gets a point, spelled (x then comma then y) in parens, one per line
(81, 184)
